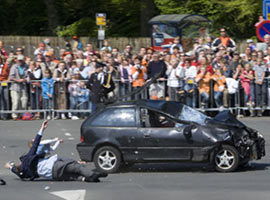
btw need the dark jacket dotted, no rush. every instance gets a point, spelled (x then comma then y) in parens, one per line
(30, 161)
(156, 67)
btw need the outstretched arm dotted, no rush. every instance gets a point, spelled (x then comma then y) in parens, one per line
(33, 149)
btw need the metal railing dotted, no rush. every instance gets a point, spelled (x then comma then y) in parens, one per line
(35, 103)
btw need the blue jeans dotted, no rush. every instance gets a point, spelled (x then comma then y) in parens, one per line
(73, 104)
(205, 98)
(260, 94)
(190, 96)
(83, 106)
(4, 100)
(47, 104)
(218, 98)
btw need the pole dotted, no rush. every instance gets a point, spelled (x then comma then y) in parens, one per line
(100, 41)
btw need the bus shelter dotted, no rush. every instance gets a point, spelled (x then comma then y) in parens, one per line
(164, 28)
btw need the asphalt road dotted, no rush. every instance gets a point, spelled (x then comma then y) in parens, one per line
(142, 181)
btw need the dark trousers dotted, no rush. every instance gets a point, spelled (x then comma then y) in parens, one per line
(70, 170)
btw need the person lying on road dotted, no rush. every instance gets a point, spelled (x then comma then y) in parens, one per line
(33, 165)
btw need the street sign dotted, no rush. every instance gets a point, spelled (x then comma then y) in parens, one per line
(263, 29)
(266, 9)
(101, 19)
(101, 35)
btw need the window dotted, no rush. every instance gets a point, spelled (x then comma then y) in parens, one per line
(154, 119)
(116, 117)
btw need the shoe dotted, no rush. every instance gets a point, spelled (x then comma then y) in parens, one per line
(75, 118)
(95, 177)
(69, 115)
(63, 116)
(48, 117)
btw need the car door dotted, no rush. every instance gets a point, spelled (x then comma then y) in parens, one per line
(161, 138)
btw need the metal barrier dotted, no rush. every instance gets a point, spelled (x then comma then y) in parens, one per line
(61, 101)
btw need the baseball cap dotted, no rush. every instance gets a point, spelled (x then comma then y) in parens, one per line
(249, 41)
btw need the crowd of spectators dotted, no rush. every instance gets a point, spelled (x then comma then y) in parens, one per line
(212, 75)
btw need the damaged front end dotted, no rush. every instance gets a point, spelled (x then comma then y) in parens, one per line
(249, 142)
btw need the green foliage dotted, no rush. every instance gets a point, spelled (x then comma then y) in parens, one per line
(32, 17)
(238, 16)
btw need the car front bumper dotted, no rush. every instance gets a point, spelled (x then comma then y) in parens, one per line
(85, 152)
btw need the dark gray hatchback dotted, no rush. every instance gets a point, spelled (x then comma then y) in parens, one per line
(164, 131)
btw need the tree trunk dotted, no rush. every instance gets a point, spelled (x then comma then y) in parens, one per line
(53, 19)
(148, 10)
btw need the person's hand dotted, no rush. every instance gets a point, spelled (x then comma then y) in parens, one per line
(44, 125)
(7, 165)
(61, 140)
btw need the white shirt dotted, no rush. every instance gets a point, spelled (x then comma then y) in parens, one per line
(172, 74)
(191, 72)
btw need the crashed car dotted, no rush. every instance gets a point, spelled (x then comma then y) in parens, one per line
(166, 131)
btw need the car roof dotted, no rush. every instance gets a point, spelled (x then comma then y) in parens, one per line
(172, 108)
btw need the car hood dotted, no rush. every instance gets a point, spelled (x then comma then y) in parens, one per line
(226, 118)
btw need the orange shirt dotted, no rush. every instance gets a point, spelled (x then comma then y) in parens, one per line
(204, 83)
(220, 82)
(4, 72)
(224, 41)
(139, 82)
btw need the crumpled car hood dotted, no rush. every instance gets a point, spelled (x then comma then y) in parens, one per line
(226, 118)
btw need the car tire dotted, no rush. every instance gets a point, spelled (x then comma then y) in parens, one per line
(226, 159)
(107, 159)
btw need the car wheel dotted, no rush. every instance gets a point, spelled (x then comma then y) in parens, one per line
(107, 159)
(226, 159)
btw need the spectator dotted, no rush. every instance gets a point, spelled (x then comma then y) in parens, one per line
(40, 50)
(83, 97)
(139, 73)
(48, 63)
(18, 88)
(203, 80)
(4, 93)
(190, 84)
(157, 67)
(106, 47)
(128, 51)
(3, 52)
(260, 20)
(251, 44)
(60, 77)
(223, 40)
(47, 91)
(176, 42)
(260, 69)
(76, 45)
(125, 76)
(219, 87)
(175, 76)
(34, 73)
(246, 79)
(73, 89)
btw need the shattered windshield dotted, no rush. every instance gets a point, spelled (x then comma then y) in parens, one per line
(190, 114)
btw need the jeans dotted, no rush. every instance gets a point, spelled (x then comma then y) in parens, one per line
(205, 98)
(218, 98)
(47, 104)
(190, 96)
(4, 100)
(82, 106)
(260, 94)
(35, 98)
(173, 93)
(73, 104)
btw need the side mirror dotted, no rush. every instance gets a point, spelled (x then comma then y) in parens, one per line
(187, 131)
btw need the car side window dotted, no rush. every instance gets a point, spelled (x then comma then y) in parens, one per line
(116, 117)
(150, 118)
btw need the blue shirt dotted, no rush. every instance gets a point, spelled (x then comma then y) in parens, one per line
(45, 167)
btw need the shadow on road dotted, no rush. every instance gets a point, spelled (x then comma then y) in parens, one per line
(187, 167)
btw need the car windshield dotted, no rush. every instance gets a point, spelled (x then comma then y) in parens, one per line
(190, 114)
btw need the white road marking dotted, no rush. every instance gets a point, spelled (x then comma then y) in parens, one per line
(67, 134)
(70, 194)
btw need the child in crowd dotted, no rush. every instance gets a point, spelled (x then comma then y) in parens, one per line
(73, 89)
(246, 79)
(219, 86)
(83, 96)
(47, 89)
